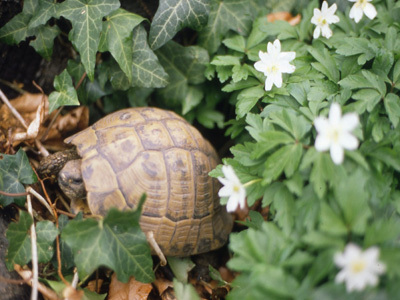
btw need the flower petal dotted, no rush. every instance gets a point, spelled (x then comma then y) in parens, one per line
(317, 32)
(337, 153)
(322, 143)
(321, 124)
(326, 31)
(335, 113)
(348, 141)
(370, 11)
(261, 67)
(232, 204)
(268, 83)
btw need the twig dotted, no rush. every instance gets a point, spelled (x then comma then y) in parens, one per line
(44, 136)
(42, 149)
(75, 279)
(35, 267)
(13, 194)
(13, 110)
(11, 281)
(13, 86)
(44, 290)
(151, 240)
(68, 214)
(41, 199)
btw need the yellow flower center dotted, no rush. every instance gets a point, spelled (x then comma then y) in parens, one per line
(273, 69)
(358, 266)
(361, 3)
(322, 20)
(236, 188)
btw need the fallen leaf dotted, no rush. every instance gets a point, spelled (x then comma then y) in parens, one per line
(162, 285)
(95, 285)
(133, 290)
(72, 294)
(284, 16)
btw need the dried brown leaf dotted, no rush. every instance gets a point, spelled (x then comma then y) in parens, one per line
(162, 285)
(133, 290)
(95, 285)
(284, 16)
(71, 293)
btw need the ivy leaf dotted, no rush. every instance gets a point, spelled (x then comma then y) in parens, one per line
(15, 30)
(185, 66)
(65, 93)
(46, 233)
(116, 38)
(20, 249)
(44, 41)
(224, 16)
(86, 18)
(46, 10)
(15, 171)
(116, 242)
(147, 70)
(173, 15)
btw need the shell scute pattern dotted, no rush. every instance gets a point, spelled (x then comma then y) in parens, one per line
(153, 151)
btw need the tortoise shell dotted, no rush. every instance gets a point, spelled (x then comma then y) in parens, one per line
(157, 152)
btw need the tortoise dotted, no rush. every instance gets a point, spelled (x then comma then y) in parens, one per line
(157, 152)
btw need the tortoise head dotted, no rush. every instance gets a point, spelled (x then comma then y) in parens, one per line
(70, 180)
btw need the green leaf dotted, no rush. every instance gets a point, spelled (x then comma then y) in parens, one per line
(86, 18)
(46, 10)
(46, 233)
(247, 98)
(326, 63)
(20, 245)
(147, 70)
(392, 106)
(367, 99)
(285, 209)
(396, 72)
(350, 46)
(15, 30)
(331, 222)
(181, 266)
(173, 15)
(65, 93)
(269, 140)
(225, 60)
(15, 171)
(116, 38)
(224, 16)
(184, 291)
(19, 249)
(286, 158)
(353, 199)
(237, 43)
(44, 41)
(116, 242)
(293, 123)
(185, 66)
(381, 231)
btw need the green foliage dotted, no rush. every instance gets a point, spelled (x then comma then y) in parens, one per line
(315, 206)
(94, 244)
(19, 251)
(15, 171)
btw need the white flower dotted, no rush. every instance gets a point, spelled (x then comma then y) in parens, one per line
(334, 133)
(361, 7)
(322, 18)
(359, 268)
(274, 63)
(233, 189)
